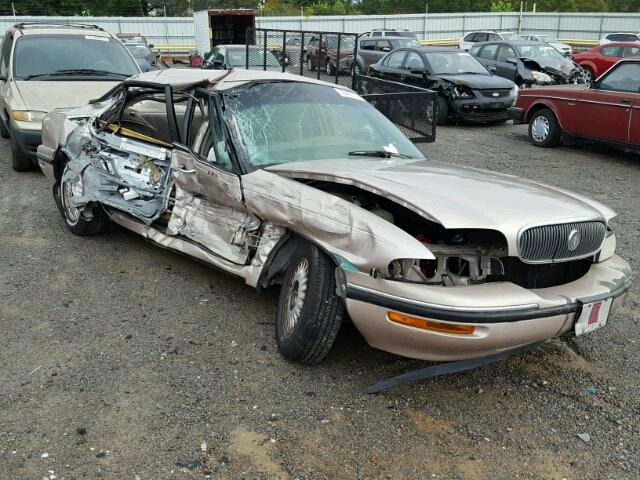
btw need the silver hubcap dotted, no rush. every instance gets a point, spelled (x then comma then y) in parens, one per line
(71, 188)
(296, 293)
(586, 74)
(540, 129)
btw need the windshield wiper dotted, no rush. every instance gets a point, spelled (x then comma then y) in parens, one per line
(76, 71)
(90, 71)
(378, 153)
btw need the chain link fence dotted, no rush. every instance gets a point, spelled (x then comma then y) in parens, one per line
(327, 56)
(411, 108)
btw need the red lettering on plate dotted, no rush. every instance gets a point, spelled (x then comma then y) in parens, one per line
(593, 316)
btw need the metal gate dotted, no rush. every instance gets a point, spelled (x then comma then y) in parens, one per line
(412, 109)
(327, 56)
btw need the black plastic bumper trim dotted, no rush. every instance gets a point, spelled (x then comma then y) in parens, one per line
(402, 305)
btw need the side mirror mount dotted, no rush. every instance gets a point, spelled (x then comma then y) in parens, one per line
(151, 45)
(217, 65)
(492, 69)
(386, 49)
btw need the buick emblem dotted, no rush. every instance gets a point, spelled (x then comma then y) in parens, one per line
(495, 94)
(574, 240)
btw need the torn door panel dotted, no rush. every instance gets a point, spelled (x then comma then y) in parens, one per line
(342, 228)
(224, 230)
(118, 172)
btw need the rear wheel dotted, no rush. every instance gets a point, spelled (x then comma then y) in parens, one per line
(309, 311)
(443, 111)
(544, 130)
(19, 161)
(86, 221)
(329, 69)
(588, 75)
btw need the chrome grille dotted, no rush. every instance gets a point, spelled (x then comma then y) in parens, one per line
(550, 243)
(500, 93)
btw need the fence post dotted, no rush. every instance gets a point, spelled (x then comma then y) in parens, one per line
(601, 24)
(520, 19)
(558, 25)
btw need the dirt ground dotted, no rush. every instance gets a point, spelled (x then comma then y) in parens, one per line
(121, 360)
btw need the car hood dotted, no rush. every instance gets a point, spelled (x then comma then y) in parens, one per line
(45, 96)
(478, 81)
(455, 196)
(560, 64)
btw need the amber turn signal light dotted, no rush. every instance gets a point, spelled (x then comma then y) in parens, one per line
(431, 325)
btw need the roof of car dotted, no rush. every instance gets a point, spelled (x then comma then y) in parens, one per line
(61, 29)
(618, 44)
(386, 37)
(509, 42)
(185, 78)
(439, 49)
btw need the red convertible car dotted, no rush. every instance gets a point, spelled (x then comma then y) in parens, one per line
(607, 110)
(601, 58)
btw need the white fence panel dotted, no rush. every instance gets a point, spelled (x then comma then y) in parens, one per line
(181, 30)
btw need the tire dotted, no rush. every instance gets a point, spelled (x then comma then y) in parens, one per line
(89, 221)
(307, 329)
(20, 161)
(544, 130)
(443, 111)
(310, 66)
(589, 75)
(4, 131)
(328, 68)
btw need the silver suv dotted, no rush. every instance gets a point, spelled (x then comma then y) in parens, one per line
(44, 67)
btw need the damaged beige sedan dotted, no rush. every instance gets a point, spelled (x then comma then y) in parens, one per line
(284, 180)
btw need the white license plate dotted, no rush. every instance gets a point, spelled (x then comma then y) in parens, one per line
(594, 315)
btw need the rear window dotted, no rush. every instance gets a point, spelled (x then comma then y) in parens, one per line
(623, 37)
(51, 54)
(610, 51)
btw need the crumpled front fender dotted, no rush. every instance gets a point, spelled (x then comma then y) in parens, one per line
(346, 230)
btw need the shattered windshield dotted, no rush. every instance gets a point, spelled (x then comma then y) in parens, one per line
(282, 122)
(538, 51)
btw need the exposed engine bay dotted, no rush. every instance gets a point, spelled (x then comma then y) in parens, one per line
(463, 257)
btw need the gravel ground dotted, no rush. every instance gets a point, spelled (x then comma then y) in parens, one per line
(121, 360)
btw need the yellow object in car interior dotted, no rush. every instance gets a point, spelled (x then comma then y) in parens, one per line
(138, 136)
(430, 324)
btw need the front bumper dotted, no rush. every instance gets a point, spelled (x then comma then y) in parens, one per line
(481, 111)
(516, 114)
(28, 140)
(504, 315)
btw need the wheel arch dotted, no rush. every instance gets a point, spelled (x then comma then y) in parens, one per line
(536, 107)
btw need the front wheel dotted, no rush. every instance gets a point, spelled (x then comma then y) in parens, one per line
(544, 130)
(86, 221)
(443, 110)
(19, 160)
(309, 311)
